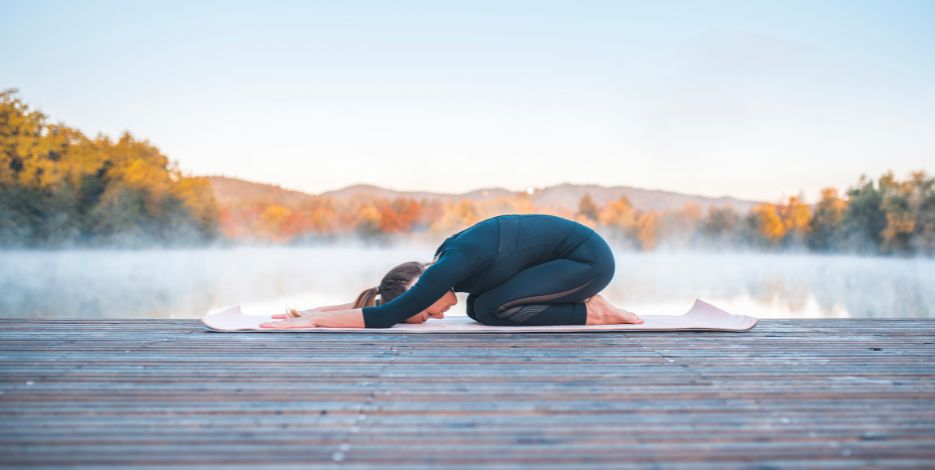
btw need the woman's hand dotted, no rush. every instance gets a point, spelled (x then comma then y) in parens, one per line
(297, 322)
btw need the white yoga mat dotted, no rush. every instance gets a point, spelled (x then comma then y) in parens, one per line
(701, 317)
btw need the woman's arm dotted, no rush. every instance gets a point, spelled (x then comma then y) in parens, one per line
(352, 318)
(349, 318)
(451, 267)
(313, 311)
(332, 308)
(432, 284)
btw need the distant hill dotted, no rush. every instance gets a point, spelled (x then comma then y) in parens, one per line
(238, 192)
(233, 191)
(567, 196)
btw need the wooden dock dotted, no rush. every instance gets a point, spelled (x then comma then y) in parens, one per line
(788, 394)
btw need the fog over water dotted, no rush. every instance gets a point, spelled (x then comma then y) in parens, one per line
(264, 280)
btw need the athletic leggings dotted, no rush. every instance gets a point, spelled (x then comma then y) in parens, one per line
(551, 293)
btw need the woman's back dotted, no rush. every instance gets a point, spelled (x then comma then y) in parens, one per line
(504, 245)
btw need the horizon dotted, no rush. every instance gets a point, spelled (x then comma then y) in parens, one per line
(520, 190)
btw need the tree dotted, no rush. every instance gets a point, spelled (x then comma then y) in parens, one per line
(825, 224)
(368, 222)
(587, 209)
(620, 219)
(647, 224)
(58, 187)
(924, 188)
(795, 216)
(721, 226)
(864, 219)
(767, 223)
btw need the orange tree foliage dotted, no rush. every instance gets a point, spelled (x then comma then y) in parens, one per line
(768, 223)
(796, 217)
(901, 214)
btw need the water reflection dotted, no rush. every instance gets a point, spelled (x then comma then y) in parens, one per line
(188, 283)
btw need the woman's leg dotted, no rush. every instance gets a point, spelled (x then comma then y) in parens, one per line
(551, 293)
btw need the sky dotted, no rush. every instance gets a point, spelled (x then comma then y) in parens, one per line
(754, 99)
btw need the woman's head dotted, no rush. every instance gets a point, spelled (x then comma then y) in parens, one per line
(397, 281)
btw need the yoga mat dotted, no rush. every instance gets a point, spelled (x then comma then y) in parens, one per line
(702, 317)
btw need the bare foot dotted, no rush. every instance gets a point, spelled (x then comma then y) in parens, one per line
(602, 312)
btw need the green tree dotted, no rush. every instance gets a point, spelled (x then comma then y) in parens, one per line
(864, 219)
(721, 226)
(826, 221)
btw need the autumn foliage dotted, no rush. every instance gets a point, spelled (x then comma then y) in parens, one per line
(59, 187)
(889, 217)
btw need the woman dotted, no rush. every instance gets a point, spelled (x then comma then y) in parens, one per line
(518, 270)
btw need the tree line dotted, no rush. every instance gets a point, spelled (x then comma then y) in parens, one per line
(882, 216)
(885, 216)
(59, 187)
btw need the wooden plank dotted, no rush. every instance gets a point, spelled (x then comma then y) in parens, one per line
(790, 393)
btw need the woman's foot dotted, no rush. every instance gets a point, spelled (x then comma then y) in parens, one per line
(602, 312)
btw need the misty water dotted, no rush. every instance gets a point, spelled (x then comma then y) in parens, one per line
(92, 284)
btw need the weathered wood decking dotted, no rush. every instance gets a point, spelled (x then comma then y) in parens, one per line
(161, 392)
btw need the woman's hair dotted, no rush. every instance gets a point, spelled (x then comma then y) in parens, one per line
(394, 283)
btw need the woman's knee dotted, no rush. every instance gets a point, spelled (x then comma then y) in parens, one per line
(480, 311)
(469, 308)
(486, 318)
(596, 253)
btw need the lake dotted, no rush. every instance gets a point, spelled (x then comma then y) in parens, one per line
(93, 284)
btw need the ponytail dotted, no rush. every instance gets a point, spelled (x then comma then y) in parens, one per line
(367, 298)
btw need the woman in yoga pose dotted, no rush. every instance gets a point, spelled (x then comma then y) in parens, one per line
(517, 269)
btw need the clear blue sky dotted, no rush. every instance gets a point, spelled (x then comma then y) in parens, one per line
(750, 98)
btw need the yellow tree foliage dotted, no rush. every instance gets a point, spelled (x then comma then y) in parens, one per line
(195, 194)
(272, 220)
(368, 220)
(618, 214)
(770, 225)
(795, 216)
(832, 203)
(647, 224)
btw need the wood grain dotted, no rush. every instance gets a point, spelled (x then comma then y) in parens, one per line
(790, 393)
